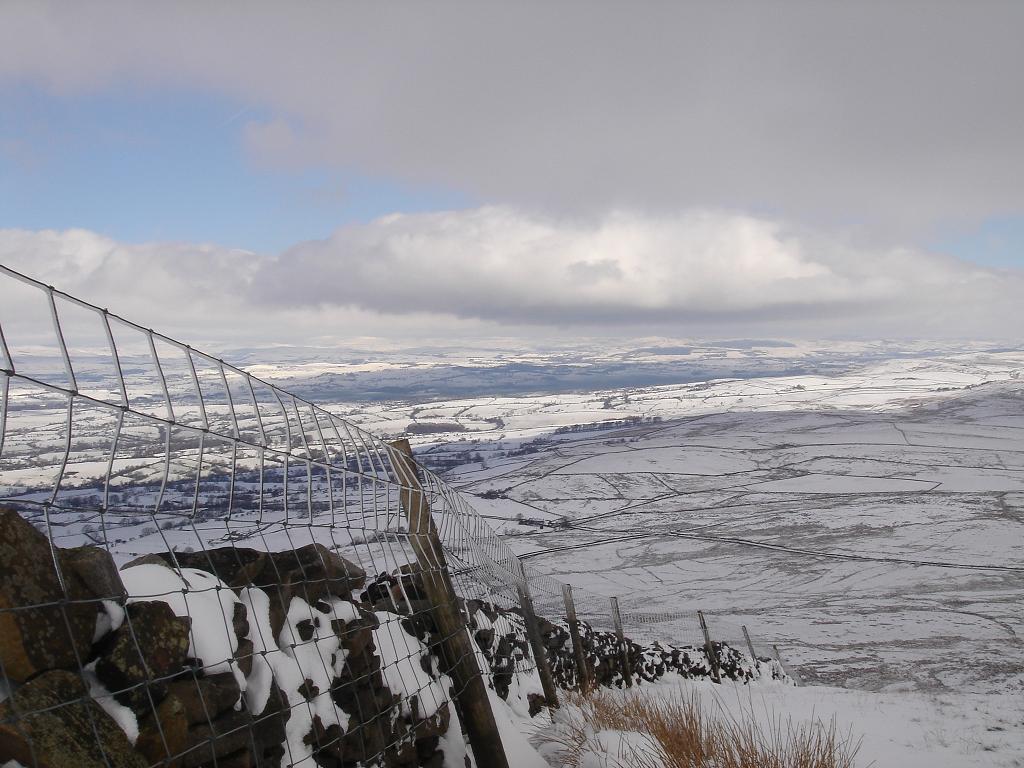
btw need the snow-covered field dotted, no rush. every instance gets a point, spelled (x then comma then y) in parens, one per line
(866, 517)
(870, 524)
(912, 471)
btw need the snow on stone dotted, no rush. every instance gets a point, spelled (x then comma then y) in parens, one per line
(199, 596)
(109, 619)
(289, 661)
(400, 654)
(258, 684)
(319, 659)
(119, 713)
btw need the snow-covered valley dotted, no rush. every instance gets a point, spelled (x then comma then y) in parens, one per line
(866, 519)
(870, 524)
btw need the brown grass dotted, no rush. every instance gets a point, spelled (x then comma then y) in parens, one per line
(680, 734)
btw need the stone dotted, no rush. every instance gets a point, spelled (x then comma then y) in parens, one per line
(209, 742)
(96, 569)
(484, 638)
(55, 727)
(356, 635)
(269, 728)
(241, 759)
(279, 598)
(244, 656)
(537, 703)
(235, 566)
(205, 698)
(240, 621)
(434, 760)
(163, 734)
(362, 695)
(149, 559)
(309, 690)
(313, 572)
(163, 639)
(305, 630)
(57, 634)
(435, 725)
(396, 590)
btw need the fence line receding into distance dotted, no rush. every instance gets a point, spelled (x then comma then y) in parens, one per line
(119, 439)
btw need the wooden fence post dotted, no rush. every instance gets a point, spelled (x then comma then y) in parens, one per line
(540, 656)
(712, 656)
(582, 673)
(750, 645)
(627, 673)
(792, 675)
(459, 655)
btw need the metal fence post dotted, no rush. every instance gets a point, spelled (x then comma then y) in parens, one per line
(712, 656)
(461, 663)
(750, 645)
(627, 673)
(582, 673)
(540, 656)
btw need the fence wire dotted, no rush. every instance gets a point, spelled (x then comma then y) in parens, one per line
(202, 569)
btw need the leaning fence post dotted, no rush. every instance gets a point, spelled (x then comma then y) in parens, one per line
(750, 645)
(792, 675)
(712, 656)
(540, 656)
(627, 673)
(459, 656)
(582, 673)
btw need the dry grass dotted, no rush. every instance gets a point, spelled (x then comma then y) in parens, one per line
(675, 732)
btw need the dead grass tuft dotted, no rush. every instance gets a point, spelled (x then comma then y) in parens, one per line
(675, 732)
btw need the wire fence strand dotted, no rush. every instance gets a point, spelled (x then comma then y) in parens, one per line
(200, 568)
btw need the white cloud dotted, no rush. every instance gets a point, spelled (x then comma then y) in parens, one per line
(200, 293)
(498, 270)
(899, 115)
(629, 269)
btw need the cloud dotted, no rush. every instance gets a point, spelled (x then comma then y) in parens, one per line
(200, 293)
(502, 271)
(629, 269)
(898, 116)
(181, 285)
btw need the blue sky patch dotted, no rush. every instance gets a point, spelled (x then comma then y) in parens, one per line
(170, 165)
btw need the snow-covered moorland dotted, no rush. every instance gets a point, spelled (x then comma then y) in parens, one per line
(870, 524)
(867, 521)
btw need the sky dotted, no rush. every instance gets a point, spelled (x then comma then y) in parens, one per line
(252, 173)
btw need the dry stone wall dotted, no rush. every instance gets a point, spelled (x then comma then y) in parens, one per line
(239, 658)
(292, 669)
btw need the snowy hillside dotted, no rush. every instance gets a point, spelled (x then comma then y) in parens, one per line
(870, 523)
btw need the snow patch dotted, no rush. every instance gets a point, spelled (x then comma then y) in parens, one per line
(199, 596)
(400, 655)
(120, 714)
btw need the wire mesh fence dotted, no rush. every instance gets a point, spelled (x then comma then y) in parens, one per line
(200, 568)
